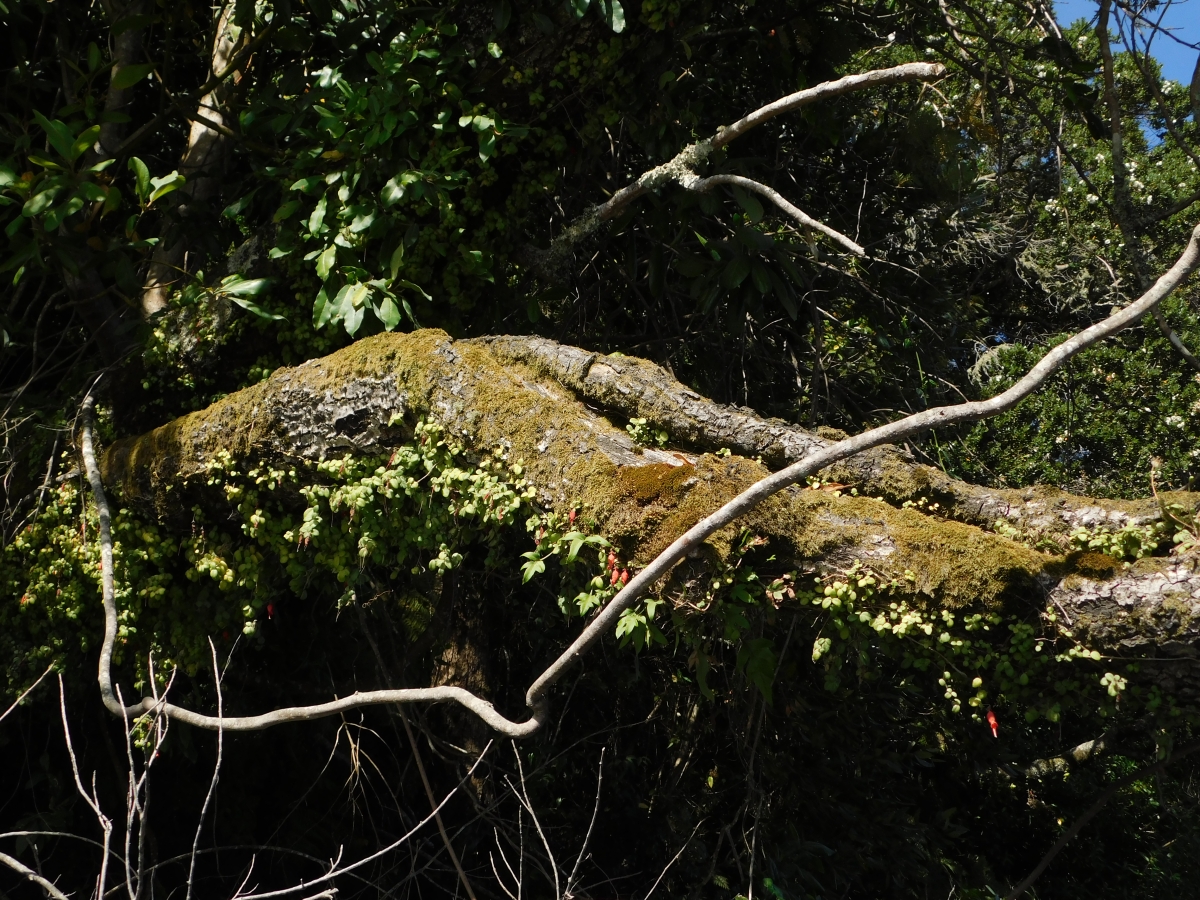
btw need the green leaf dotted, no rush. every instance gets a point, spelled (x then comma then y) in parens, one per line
(502, 15)
(85, 140)
(285, 211)
(128, 23)
(388, 313)
(61, 213)
(487, 146)
(397, 260)
(165, 185)
(614, 15)
(94, 57)
(578, 7)
(544, 24)
(316, 221)
(307, 184)
(57, 133)
(102, 165)
(39, 203)
(128, 76)
(322, 309)
(243, 287)
(735, 273)
(362, 222)
(354, 298)
(141, 174)
(353, 320)
(326, 261)
(45, 163)
(749, 203)
(251, 306)
(8, 174)
(112, 201)
(535, 566)
(758, 660)
(414, 287)
(494, 50)
(91, 192)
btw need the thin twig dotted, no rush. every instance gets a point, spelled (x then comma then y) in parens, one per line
(591, 825)
(27, 692)
(663, 873)
(216, 776)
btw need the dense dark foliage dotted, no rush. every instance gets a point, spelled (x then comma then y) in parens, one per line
(378, 165)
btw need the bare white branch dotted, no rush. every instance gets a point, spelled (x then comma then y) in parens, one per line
(702, 185)
(22, 869)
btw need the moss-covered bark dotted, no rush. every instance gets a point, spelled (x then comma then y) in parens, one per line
(561, 412)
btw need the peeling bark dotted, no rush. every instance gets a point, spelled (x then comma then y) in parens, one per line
(561, 410)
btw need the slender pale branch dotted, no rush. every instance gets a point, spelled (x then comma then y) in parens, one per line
(893, 432)
(862, 81)
(705, 184)
(682, 169)
(22, 869)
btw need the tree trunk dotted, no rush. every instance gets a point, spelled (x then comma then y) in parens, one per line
(561, 411)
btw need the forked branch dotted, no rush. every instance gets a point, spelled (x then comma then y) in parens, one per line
(682, 169)
(659, 568)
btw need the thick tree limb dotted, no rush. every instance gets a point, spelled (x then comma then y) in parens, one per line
(342, 403)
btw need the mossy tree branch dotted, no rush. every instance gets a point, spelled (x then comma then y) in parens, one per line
(442, 371)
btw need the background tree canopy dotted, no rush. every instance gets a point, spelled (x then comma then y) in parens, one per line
(195, 196)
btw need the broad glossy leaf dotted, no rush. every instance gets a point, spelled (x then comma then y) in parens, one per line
(85, 140)
(141, 175)
(39, 203)
(285, 211)
(388, 313)
(251, 306)
(316, 221)
(353, 320)
(128, 76)
(243, 287)
(59, 135)
(322, 309)
(91, 191)
(325, 262)
(165, 185)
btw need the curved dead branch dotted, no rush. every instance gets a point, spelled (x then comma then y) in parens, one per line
(813, 461)
(681, 169)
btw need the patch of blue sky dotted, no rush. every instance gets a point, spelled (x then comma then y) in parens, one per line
(1181, 19)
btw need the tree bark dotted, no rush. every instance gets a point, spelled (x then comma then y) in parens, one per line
(561, 411)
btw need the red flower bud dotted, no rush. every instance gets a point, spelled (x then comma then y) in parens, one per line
(612, 561)
(270, 610)
(624, 577)
(571, 517)
(615, 576)
(994, 722)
